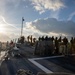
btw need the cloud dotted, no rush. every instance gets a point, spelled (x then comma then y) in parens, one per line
(71, 16)
(51, 26)
(43, 5)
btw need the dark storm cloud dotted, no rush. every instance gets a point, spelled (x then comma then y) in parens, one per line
(53, 25)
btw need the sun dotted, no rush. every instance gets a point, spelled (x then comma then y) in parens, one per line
(2, 28)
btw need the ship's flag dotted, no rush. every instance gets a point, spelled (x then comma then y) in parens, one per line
(22, 19)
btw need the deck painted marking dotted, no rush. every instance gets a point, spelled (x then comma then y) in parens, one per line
(40, 66)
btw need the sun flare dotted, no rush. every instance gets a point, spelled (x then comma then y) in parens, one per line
(2, 28)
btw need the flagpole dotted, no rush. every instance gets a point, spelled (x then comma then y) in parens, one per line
(22, 26)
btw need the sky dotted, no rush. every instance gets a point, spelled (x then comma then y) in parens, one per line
(41, 18)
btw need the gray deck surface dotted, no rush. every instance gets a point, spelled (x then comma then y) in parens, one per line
(61, 64)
